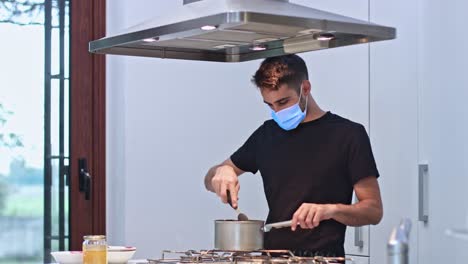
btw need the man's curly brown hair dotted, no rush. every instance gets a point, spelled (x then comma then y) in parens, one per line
(276, 71)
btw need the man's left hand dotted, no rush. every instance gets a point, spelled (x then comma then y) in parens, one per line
(310, 215)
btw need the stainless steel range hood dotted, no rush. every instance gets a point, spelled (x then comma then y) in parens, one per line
(239, 30)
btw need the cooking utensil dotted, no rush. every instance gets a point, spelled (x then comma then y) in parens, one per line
(243, 235)
(238, 235)
(240, 216)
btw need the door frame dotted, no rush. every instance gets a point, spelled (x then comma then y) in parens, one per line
(87, 120)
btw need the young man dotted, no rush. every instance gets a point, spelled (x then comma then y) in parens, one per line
(310, 161)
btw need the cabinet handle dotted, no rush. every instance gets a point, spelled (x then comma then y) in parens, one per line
(358, 241)
(423, 189)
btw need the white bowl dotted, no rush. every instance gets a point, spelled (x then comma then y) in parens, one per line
(117, 254)
(68, 257)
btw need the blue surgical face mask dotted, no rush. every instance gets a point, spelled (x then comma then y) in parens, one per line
(289, 118)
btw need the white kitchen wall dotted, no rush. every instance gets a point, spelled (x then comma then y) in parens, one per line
(168, 122)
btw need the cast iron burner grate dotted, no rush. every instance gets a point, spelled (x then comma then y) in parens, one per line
(240, 257)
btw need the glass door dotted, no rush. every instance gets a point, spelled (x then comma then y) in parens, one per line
(52, 123)
(34, 129)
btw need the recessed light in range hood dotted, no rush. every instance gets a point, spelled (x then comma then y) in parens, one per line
(240, 30)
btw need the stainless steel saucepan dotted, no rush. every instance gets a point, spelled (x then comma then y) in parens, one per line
(243, 235)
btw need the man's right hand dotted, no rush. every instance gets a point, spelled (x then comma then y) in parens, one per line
(225, 178)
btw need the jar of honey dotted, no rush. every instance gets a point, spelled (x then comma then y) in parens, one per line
(94, 250)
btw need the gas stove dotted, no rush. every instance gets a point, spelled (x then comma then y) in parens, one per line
(239, 257)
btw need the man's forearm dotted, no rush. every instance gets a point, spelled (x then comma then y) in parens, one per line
(365, 212)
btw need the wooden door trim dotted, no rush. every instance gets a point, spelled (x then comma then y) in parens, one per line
(87, 119)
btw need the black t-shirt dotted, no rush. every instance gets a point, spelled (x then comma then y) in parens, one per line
(318, 162)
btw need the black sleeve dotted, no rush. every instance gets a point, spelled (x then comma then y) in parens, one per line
(245, 158)
(361, 162)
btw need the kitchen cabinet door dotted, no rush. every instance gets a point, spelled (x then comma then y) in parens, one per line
(340, 83)
(393, 121)
(393, 132)
(346, 95)
(357, 239)
(443, 130)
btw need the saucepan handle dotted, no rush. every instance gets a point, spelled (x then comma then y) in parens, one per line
(268, 227)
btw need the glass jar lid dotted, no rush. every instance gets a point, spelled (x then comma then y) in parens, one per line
(94, 237)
